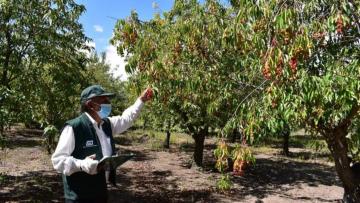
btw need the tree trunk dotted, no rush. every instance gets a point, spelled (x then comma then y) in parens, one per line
(286, 144)
(286, 136)
(167, 140)
(234, 135)
(199, 146)
(338, 146)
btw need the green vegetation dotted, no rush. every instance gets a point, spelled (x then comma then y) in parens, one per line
(306, 52)
(2, 178)
(262, 68)
(51, 136)
(224, 184)
(42, 68)
(154, 140)
(45, 63)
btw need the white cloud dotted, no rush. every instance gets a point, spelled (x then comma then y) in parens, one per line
(116, 62)
(98, 28)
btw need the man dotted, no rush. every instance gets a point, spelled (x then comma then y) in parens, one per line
(86, 139)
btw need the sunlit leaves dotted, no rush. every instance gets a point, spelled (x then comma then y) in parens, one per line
(180, 54)
(41, 59)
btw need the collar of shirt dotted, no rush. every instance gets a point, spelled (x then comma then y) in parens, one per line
(105, 142)
(93, 121)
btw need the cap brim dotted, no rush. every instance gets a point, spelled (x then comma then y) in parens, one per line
(107, 95)
(102, 95)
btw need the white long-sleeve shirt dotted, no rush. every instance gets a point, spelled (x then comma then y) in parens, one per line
(66, 164)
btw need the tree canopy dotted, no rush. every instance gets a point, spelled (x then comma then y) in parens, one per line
(41, 61)
(254, 64)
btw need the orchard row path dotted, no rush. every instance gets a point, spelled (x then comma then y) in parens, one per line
(167, 176)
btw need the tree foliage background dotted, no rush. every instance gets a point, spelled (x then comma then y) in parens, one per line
(254, 65)
(45, 63)
(41, 65)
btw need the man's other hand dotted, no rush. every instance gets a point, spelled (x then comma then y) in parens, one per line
(89, 165)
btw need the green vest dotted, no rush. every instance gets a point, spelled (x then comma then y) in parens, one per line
(81, 185)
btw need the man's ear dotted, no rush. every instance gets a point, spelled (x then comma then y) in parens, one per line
(89, 104)
(92, 105)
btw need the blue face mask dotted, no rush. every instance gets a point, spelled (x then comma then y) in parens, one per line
(105, 110)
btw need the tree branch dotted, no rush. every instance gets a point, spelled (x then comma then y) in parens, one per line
(320, 127)
(345, 123)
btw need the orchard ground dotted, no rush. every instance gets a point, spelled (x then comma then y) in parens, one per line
(165, 175)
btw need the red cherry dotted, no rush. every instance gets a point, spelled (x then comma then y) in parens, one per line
(339, 24)
(293, 64)
(149, 93)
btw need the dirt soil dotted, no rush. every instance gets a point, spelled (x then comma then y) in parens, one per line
(167, 176)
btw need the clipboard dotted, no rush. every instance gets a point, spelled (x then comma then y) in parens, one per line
(112, 162)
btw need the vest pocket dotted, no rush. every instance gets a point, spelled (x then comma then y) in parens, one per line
(90, 150)
(89, 147)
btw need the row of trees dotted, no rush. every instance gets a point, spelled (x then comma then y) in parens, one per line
(254, 65)
(45, 63)
(250, 65)
(38, 42)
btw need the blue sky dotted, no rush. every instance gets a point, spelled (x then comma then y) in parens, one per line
(99, 20)
(100, 16)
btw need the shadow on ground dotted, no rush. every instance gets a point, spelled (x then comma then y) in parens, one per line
(20, 137)
(190, 147)
(269, 176)
(307, 155)
(128, 140)
(23, 138)
(155, 186)
(275, 176)
(139, 155)
(39, 186)
(23, 142)
(266, 178)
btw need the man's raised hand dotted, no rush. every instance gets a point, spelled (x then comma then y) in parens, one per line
(147, 95)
